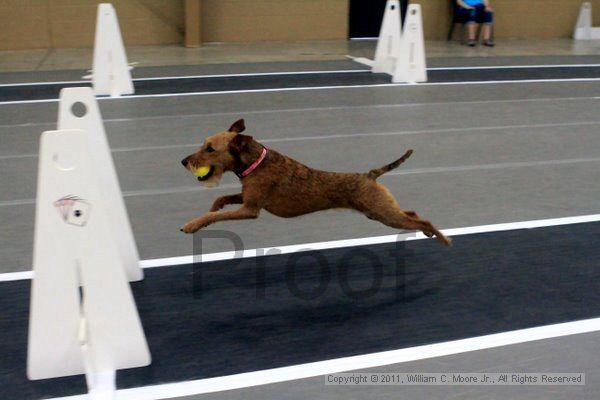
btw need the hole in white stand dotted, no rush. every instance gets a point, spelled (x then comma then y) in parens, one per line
(79, 109)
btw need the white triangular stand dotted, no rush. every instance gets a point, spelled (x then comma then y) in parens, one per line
(388, 45)
(110, 72)
(83, 318)
(412, 66)
(72, 99)
(583, 27)
(400, 53)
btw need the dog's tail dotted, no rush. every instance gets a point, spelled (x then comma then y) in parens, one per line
(377, 172)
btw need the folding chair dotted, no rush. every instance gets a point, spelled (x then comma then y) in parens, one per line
(456, 19)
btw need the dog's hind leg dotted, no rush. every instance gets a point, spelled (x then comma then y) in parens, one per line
(398, 219)
(383, 207)
(414, 215)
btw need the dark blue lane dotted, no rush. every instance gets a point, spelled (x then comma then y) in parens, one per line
(191, 85)
(508, 74)
(219, 319)
(231, 83)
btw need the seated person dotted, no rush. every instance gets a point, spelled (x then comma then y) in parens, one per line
(477, 11)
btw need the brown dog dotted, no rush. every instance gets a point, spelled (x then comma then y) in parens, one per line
(286, 188)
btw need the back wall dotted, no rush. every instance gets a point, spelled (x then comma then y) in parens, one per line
(34, 24)
(31, 24)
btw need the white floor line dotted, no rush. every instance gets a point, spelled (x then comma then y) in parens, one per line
(334, 108)
(21, 156)
(313, 88)
(17, 202)
(425, 131)
(320, 72)
(382, 85)
(354, 363)
(433, 170)
(343, 136)
(17, 102)
(19, 84)
(362, 134)
(16, 276)
(494, 166)
(478, 67)
(512, 81)
(336, 244)
(317, 72)
(164, 78)
(133, 193)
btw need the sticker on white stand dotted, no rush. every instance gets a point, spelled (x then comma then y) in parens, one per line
(73, 209)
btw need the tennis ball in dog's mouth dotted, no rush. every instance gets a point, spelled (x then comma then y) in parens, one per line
(201, 172)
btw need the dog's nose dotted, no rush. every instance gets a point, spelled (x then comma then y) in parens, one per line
(184, 162)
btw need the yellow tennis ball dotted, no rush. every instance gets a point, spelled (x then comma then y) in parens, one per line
(201, 172)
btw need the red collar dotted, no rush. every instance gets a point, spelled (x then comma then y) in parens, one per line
(255, 164)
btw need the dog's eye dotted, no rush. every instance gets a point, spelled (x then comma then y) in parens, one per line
(210, 149)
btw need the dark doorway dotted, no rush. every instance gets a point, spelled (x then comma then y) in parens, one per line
(366, 16)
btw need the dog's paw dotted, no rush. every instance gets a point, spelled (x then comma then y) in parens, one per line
(193, 226)
(187, 228)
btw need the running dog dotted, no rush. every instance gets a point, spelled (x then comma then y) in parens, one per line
(287, 188)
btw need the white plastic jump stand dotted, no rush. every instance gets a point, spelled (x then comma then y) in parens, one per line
(583, 27)
(400, 52)
(83, 317)
(388, 44)
(390, 37)
(412, 66)
(78, 109)
(110, 73)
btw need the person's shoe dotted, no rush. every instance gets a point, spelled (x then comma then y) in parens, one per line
(471, 43)
(488, 43)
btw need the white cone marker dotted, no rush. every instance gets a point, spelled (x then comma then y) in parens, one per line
(583, 28)
(412, 66)
(110, 72)
(83, 317)
(400, 52)
(90, 121)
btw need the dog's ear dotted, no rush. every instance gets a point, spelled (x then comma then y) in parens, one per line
(239, 143)
(238, 126)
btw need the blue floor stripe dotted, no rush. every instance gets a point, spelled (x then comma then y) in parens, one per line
(216, 319)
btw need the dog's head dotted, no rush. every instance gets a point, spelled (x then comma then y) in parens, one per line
(220, 153)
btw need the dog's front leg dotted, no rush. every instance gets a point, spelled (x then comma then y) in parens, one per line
(224, 200)
(196, 224)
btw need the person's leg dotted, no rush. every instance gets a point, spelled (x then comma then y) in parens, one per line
(467, 17)
(487, 18)
(487, 32)
(471, 30)
(471, 27)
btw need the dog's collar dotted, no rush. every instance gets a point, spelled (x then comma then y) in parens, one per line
(255, 164)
